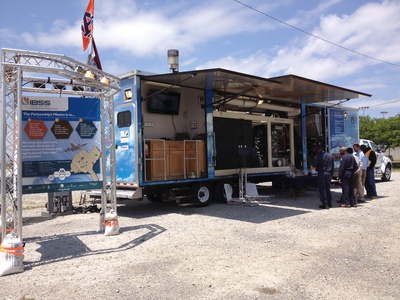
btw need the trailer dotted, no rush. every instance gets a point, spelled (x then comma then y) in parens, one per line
(185, 136)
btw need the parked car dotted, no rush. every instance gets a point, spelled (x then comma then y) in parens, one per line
(383, 166)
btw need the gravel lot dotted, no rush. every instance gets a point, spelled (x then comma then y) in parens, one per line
(286, 250)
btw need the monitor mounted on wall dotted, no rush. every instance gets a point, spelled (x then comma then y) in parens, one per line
(163, 102)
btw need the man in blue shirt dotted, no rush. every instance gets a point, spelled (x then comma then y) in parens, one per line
(347, 168)
(323, 164)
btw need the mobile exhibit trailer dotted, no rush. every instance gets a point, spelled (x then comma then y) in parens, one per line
(184, 136)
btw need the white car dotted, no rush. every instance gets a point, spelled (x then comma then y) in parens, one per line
(383, 166)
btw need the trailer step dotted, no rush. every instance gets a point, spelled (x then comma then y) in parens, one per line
(120, 194)
(185, 201)
(184, 198)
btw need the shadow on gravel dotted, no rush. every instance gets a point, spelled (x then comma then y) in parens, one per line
(69, 246)
(33, 220)
(284, 205)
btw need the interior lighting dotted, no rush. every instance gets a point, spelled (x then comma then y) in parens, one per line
(128, 94)
(261, 101)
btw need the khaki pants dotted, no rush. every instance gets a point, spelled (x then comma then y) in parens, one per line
(358, 186)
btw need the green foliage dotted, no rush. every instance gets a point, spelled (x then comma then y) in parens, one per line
(381, 131)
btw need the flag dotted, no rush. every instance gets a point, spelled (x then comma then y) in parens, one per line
(94, 58)
(87, 25)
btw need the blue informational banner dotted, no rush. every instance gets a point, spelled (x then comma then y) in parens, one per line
(61, 144)
(351, 127)
(336, 129)
(343, 129)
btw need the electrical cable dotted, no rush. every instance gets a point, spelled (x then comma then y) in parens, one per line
(315, 36)
(383, 103)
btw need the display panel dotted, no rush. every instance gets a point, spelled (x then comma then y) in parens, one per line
(160, 102)
(61, 144)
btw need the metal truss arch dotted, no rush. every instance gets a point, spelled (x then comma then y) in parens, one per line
(37, 73)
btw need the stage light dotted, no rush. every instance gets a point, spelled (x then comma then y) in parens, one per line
(79, 70)
(59, 86)
(105, 80)
(39, 85)
(89, 74)
(77, 88)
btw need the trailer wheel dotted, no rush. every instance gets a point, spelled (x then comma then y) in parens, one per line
(156, 198)
(219, 192)
(387, 174)
(202, 193)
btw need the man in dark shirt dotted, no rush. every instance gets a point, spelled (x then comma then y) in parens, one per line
(370, 178)
(347, 168)
(323, 164)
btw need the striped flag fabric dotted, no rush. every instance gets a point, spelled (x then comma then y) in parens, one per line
(94, 58)
(87, 25)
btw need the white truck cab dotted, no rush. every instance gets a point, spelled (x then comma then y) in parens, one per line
(383, 166)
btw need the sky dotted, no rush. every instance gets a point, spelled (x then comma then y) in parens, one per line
(353, 44)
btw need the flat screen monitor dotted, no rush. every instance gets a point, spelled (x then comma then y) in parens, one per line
(163, 102)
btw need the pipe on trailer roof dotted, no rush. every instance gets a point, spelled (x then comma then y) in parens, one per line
(269, 106)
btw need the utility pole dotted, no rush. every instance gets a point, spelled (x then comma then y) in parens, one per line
(363, 109)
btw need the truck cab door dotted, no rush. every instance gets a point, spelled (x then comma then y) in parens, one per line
(126, 151)
(379, 155)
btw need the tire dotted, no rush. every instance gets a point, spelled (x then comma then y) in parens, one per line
(155, 198)
(219, 192)
(387, 174)
(202, 193)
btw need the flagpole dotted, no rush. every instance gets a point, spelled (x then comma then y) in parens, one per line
(96, 55)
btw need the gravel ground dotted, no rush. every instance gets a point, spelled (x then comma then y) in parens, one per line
(286, 250)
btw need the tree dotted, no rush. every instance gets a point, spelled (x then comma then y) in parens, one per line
(381, 131)
(366, 128)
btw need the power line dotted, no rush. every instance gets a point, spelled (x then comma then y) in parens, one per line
(315, 36)
(384, 103)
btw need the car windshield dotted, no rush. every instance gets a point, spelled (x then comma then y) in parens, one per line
(374, 146)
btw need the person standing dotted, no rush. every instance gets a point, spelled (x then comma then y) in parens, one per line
(347, 168)
(323, 164)
(358, 191)
(370, 178)
(365, 164)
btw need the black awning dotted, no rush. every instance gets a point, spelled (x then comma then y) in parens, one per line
(283, 89)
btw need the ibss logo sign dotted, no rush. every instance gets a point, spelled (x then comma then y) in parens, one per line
(45, 103)
(35, 102)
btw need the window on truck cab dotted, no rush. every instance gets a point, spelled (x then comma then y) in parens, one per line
(124, 119)
(371, 144)
(374, 147)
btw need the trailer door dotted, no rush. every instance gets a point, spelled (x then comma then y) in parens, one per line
(126, 151)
